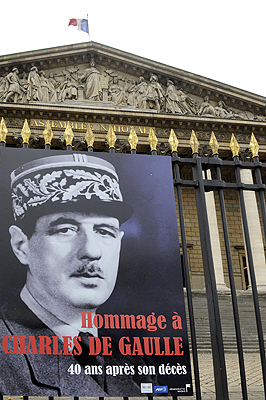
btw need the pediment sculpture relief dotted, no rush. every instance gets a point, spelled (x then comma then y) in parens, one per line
(92, 78)
(94, 84)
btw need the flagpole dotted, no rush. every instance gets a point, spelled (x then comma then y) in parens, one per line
(88, 27)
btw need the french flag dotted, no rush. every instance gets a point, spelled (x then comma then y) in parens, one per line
(82, 24)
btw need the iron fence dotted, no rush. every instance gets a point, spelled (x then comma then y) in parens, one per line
(201, 184)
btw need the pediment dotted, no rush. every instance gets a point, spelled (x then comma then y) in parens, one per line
(92, 76)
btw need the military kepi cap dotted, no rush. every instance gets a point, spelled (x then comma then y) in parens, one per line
(71, 182)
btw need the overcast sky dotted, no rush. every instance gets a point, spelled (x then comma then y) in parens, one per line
(224, 40)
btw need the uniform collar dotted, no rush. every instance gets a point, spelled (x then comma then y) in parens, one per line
(59, 327)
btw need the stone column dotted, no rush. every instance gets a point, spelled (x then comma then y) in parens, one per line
(215, 240)
(255, 233)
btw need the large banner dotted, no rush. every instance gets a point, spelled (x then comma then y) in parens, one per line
(91, 284)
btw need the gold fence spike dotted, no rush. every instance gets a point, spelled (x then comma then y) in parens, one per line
(194, 144)
(152, 139)
(89, 137)
(48, 133)
(68, 135)
(254, 146)
(234, 146)
(111, 138)
(133, 138)
(3, 130)
(173, 141)
(25, 133)
(214, 145)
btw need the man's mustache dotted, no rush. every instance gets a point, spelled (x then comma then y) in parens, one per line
(90, 269)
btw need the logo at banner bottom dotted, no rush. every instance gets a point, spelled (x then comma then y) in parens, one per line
(160, 389)
(146, 387)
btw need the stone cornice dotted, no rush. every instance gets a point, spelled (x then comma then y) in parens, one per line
(127, 117)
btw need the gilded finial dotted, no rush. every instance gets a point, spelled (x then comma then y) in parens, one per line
(25, 133)
(254, 146)
(234, 146)
(3, 130)
(68, 135)
(133, 138)
(194, 144)
(173, 141)
(214, 144)
(48, 133)
(152, 139)
(89, 137)
(111, 138)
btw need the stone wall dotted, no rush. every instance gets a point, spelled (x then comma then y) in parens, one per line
(193, 238)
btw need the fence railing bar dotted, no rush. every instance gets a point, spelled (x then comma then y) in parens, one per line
(232, 287)
(221, 385)
(215, 184)
(260, 192)
(211, 162)
(187, 280)
(252, 277)
(178, 181)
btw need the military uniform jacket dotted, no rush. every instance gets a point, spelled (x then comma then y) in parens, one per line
(47, 375)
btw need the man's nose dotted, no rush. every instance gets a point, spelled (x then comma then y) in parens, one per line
(89, 247)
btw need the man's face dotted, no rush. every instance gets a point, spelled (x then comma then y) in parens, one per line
(73, 259)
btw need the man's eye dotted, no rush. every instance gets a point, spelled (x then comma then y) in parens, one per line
(64, 230)
(106, 232)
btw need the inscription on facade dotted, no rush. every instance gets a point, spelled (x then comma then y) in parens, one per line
(56, 124)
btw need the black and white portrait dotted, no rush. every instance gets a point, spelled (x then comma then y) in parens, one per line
(91, 284)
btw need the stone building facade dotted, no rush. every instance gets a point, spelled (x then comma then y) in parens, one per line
(95, 87)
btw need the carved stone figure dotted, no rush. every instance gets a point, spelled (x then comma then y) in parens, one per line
(206, 108)
(154, 94)
(2, 88)
(44, 87)
(92, 88)
(34, 85)
(13, 88)
(68, 90)
(24, 86)
(131, 94)
(141, 93)
(185, 103)
(259, 117)
(171, 99)
(53, 87)
(222, 111)
(117, 92)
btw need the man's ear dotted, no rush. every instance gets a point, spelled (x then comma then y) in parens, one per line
(19, 243)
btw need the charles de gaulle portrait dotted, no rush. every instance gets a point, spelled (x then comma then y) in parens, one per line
(68, 211)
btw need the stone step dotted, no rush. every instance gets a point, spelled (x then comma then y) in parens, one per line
(246, 315)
